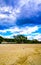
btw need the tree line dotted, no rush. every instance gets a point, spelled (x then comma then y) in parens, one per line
(20, 39)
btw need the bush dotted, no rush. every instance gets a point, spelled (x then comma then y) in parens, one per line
(1, 39)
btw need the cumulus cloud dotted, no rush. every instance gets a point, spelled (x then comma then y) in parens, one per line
(15, 13)
(16, 30)
(36, 36)
(8, 15)
(28, 7)
(30, 32)
(22, 8)
(24, 30)
(8, 12)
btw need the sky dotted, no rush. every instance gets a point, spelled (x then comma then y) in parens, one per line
(20, 17)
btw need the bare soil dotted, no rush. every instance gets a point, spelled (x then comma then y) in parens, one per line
(20, 54)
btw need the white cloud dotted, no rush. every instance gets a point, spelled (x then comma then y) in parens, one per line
(12, 30)
(3, 31)
(30, 37)
(7, 12)
(25, 30)
(23, 8)
(30, 32)
(3, 16)
(26, 7)
(5, 9)
(38, 37)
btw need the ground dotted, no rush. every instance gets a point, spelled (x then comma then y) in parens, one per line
(20, 54)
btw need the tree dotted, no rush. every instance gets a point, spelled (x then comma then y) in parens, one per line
(20, 39)
(1, 39)
(35, 41)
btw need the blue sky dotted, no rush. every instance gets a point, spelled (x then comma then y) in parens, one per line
(20, 17)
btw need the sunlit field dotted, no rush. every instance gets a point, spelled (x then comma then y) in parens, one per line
(20, 54)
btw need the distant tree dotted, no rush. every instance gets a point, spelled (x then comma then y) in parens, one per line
(20, 39)
(35, 41)
(1, 39)
(9, 39)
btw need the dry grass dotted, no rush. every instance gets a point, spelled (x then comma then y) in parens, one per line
(22, 54)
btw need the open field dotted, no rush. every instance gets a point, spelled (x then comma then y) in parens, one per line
(20, 54)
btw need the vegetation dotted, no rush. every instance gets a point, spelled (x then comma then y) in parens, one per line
(1, 39)
(18, 39)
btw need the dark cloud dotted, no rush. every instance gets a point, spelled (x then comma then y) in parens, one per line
(27, 21)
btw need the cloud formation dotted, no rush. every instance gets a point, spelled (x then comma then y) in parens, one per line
(19, 9)
(20, 17)
(30, 32)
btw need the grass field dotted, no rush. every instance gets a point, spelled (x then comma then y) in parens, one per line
(22, 54)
